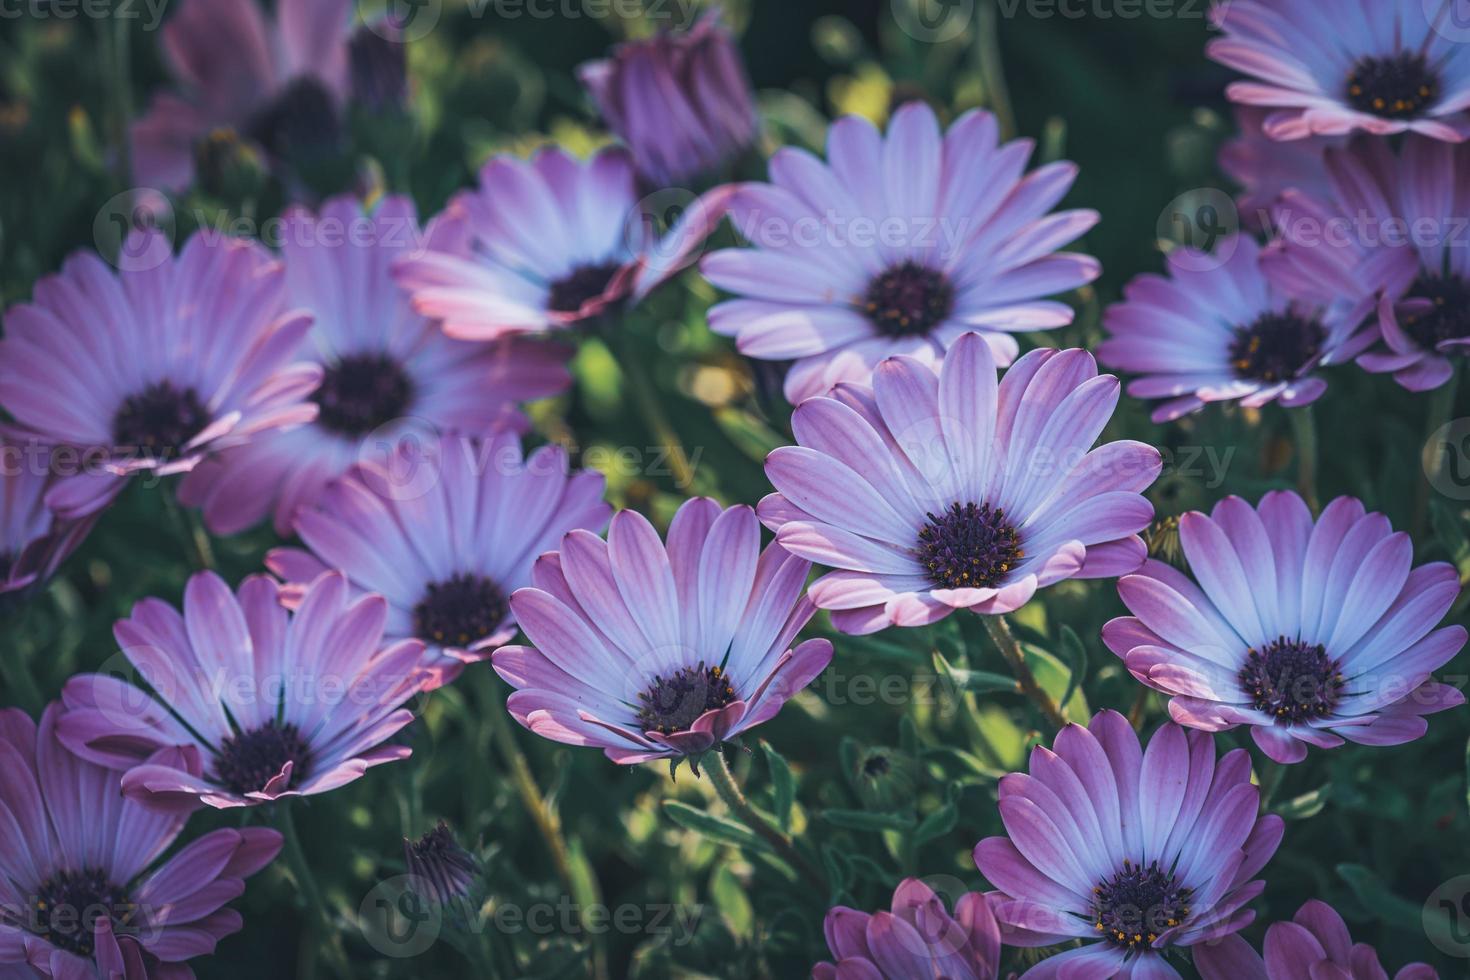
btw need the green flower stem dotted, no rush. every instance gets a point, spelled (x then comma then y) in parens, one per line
(1268, 776)
(1010, 649)
(992, 69)
(725, 786)
(190, 530)
(645, 397)
(331, 942)
(1304, 430)
(1441, 408)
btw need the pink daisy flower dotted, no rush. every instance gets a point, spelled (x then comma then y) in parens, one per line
(33, 541)
(1315, 943)
(1266, 168)
(918, 939)
(387, 372)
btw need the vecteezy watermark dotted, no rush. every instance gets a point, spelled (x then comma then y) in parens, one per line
(150, 12)
(1449, 18)
(1202, 224)
(399, 922)
(1446, 459)
(1110, 9)
(1446, 917)
(410, 20)
(136, 228)
(933, 21)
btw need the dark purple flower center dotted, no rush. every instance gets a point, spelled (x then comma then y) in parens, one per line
(908, 300)
(443, 871)
(1133, 907)
(361, 392)
(68, 905)
(585, 282)
(460, 610)
(671, 704)
(301, 119)
(1275, 347)
(1292, 680)
(1448, 319)
(1399, 86)
(159, 420)
(969, 546)
(244, 763)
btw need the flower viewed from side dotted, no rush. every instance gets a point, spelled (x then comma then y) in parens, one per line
(1385, 66)
(154, 369)
(680, 100)
(919, 938)
(441, 870)
(897, 245)
(1399, 219)
(1315, 943)
(1266, 168)
(278, 84)
(262, 704)
(1310, 632)
(1223, 330)
(937, 490)
(446, 537)
(649, 651)
(387, 373)
(551, 243)
(77, 896)
(1131, 850)
(33, 541)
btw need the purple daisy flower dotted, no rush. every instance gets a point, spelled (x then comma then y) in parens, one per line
(652, 652)
(1267, 168)
(552, 243)
(1221, 328)
(446, 536)
(941, 490)
(33, 541)
(897, 245)
(1140, 850)
(387, 373)
(919, 938)
(1384, 66)
(1315, 943)
(262, 704)
(153, 369)
(1310, 632)
(77, 898)
(442, 871)
(273, 83)
(680, 100)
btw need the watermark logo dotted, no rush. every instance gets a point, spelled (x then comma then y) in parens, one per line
(136, 227)
(1446, 917)
(1202, 223)
(933, 21)
(1446, 459)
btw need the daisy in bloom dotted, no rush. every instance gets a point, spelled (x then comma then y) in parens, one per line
(680, 100)
(919, 938)
(649, 651)
(33, 541)
(1225, 330)
(445, 536)
(1310, 632)
(1399, 218)
(1384, 66)
(77, 897)
(1315, 943)
(552, 243)
(936, 490)
(387, 373)
(153, 369)
(1134, 851)
(1267, 168)
(897, 245)
(275, 83)
(262, 704)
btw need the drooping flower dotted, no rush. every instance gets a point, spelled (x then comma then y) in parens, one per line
(276, 83)
(1385, 66)
(261, 704)
(387, 373)
(649, 651)
(897, 245)
(1310, 632)
(680, 100)
(1315, 943)
(441, 870)
(1398, 220)
(33, 541)
(919, 938)
(551, 243)
(1132, 851)
(1267, 168)
(446, 536)
(933, 491)
(1219, 328)
(153, 369)
(77, 896)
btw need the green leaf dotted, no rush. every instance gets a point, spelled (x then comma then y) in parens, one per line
(1379, 899)
(937, 824)
(1304, 806)
(715, 828)
(839, 869)
(978, 681)
(1449, 527)
(1055, 679)
(783, 785)
(730, 898)
(863, 820)
(1074, 655)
